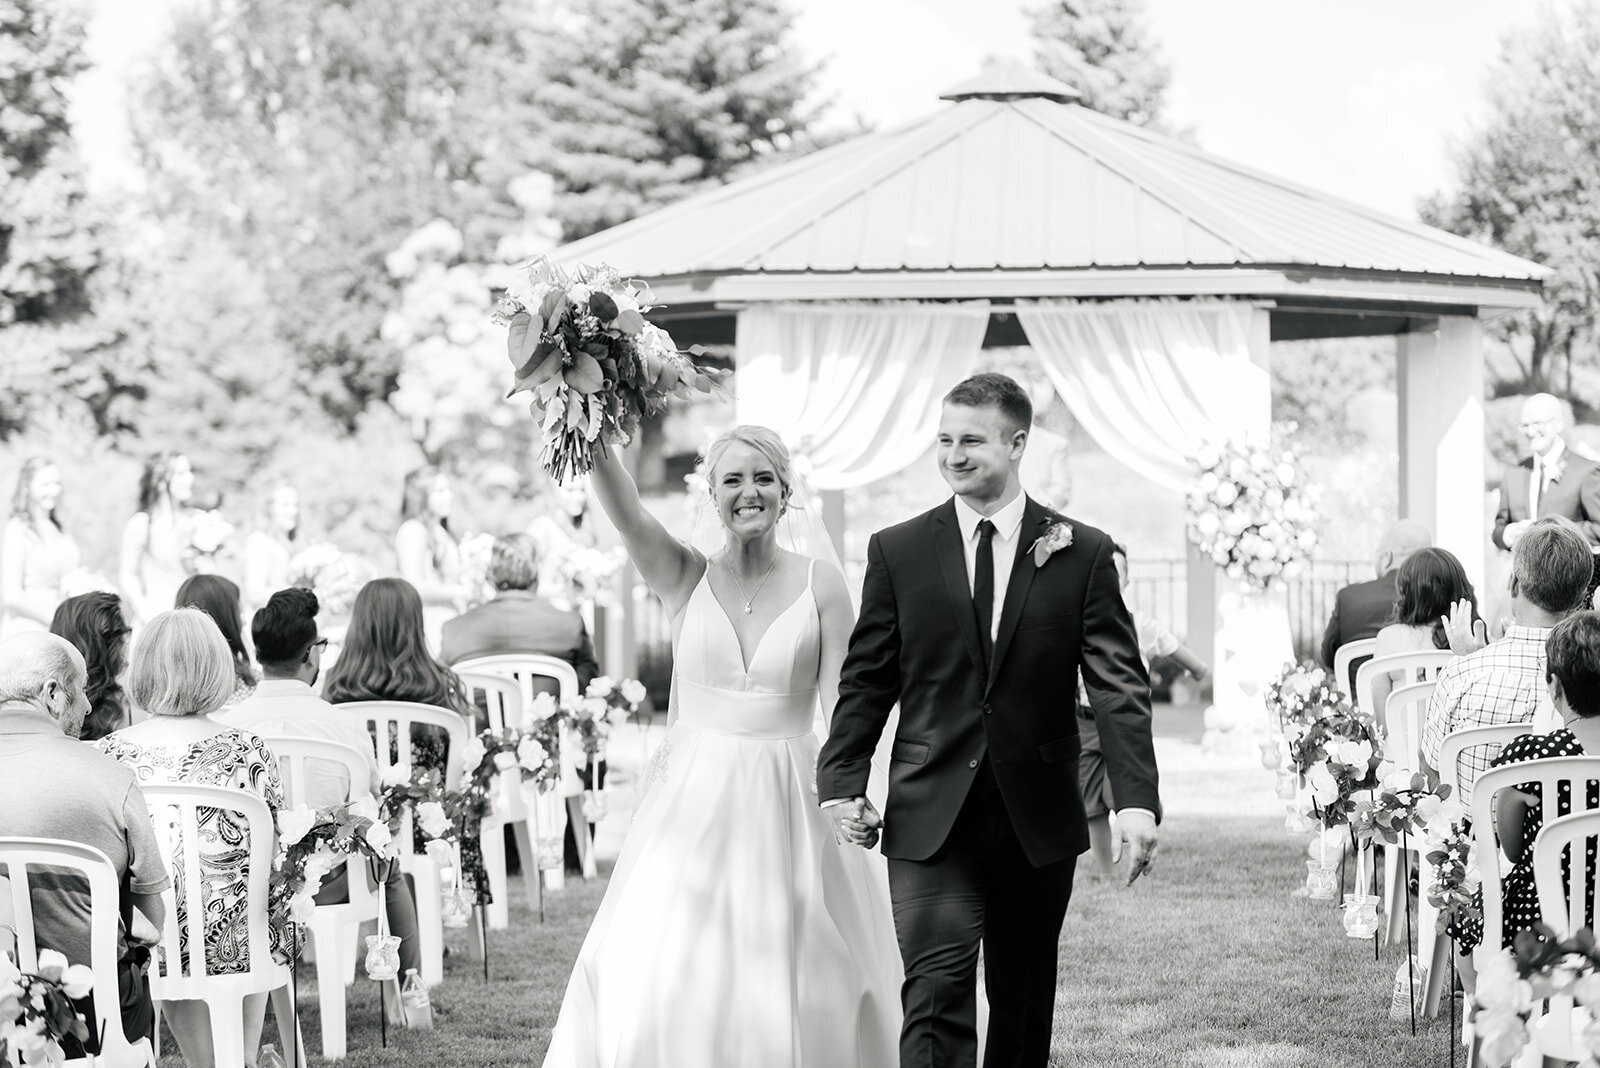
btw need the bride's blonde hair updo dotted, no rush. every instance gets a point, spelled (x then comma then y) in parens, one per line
(762, 439)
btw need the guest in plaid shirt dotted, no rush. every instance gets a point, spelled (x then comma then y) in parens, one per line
(1504, 681)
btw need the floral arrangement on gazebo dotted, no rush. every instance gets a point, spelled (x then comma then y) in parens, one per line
(1251, 512)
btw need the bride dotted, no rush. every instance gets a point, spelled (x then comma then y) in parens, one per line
(736, 931)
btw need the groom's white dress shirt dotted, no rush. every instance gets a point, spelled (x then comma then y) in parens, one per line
(1007, 522)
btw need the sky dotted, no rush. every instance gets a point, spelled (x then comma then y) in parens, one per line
(1362, 99)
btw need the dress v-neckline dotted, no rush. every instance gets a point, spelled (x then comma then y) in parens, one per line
(726, 618)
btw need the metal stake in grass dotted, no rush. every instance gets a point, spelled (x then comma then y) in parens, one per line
(1405, 903)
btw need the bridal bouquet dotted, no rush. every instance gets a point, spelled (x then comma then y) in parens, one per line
(1251, 512)
(335, 575)
(36, 1010)
(207, 532)
(580, 344)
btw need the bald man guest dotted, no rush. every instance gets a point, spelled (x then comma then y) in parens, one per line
(1361, 609)
(1551, 480)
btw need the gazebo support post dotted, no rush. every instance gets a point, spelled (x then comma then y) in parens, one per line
(1439, 378)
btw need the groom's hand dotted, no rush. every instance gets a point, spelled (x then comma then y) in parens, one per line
(855, 822)
(1137, 829)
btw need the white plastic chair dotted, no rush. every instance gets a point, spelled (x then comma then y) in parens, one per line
(174, 809)
(393, 720)
(1428, 661)
(1404, 713)
(1344, 655)
(551, 812)
(17, 856)
(1558, 1033)
(502, 698)
(335, 929)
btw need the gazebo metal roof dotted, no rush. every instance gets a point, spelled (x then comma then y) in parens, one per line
(1013, 190)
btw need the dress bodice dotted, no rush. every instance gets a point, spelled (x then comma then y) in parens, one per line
(774, 696)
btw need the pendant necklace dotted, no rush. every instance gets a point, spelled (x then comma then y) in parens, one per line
(749, 602)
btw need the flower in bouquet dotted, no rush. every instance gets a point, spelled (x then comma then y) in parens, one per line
(1251, 511)
(293, 823)
(633, 691)
(432, 820)
(336, 576)
(600, 686)
(544, 706)
(580, 344)
(308, 563)
(207, 532)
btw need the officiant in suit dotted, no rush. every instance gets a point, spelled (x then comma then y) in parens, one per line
(1551, 481)
(976, 617)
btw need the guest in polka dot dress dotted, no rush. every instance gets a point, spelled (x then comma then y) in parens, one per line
(1572, 655)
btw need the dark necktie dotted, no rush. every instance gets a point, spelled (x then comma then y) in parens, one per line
(983, 587)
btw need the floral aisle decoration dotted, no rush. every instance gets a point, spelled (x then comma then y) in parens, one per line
(1251, 512)
(1514, 982)
(531, 753)
(1452, 859)
(1334, 758)
(1405, 805)
(580, 344)
(313, 842)
(606, 703)
(36, 1010)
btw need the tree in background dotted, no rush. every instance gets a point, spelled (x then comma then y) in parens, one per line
(644, 101)
(1103, 49)
(51, 238)
(1529, 183)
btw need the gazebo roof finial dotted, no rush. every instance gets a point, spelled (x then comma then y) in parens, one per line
(1008, 79)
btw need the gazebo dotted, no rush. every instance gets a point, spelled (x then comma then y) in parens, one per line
(858, 283)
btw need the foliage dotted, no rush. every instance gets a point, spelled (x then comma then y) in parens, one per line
(643, 101)
(36, 1010)
(1103, 49)
(310, 843)
(1527, 184)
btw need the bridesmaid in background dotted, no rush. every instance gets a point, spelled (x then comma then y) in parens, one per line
(36, 553)
(427, 550)
(155, 543)
(268, 551)
(566, 526)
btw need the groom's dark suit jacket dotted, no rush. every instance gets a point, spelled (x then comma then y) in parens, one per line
(916, 642)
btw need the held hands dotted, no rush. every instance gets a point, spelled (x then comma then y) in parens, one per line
(1136, 830)
(1466, 634)
(855, 822)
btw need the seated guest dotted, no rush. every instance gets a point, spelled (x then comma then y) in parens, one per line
(518, 620)
(284, 705)
(181, 671)
(1428, 586)
(1504, 682)
(1361, 609)
(1572, 655)
(386, 658)
(218, 598)
(42, 705)
(94, 623)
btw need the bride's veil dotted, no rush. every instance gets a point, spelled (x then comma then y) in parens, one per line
(800, 530)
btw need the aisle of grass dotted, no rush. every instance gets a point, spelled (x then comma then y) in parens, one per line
(1208, 963)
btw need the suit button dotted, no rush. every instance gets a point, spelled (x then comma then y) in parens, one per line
(972, 763)
(988, 709)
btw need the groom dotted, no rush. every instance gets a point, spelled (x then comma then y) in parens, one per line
(976, 617)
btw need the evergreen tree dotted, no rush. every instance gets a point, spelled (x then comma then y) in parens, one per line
(644, 101)
(1529, 183)
(1103, 49)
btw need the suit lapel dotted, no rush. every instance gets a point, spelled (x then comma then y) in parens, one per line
(1034, 521)
(953, 564)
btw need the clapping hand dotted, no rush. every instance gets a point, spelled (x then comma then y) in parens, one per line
(855, 822)
(1466, 634)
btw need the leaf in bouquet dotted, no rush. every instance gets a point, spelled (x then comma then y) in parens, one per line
(552, 308)
(630, 322)
(521, 339)
(575, 410)
(585, 375)
(666, 375)
(602, 307)
(545, 364)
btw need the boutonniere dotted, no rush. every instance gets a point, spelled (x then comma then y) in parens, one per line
(1057, 536)
(1558, 469)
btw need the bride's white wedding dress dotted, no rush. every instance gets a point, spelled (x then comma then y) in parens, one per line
(736, 933)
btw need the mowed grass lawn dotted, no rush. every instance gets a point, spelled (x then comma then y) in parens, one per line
(1206, 963)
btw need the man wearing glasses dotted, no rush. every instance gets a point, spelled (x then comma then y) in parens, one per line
(1551, 481)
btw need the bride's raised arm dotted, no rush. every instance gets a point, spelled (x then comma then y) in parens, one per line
(668, 566)
(838, 617)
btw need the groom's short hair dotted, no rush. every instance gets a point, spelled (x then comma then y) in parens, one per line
(991, 390)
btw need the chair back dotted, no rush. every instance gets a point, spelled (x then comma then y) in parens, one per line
(1456, 744)
(49, 858)
(183, 815)
(1427, 662)
(1565, 906)
(1574, 772)
(502, 697)
(524, 668)
(1403, 715)
(390, 723)
(1344, 655)
(295, 756)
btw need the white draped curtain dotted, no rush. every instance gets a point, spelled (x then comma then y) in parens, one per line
(855, 387)
(1153, 380)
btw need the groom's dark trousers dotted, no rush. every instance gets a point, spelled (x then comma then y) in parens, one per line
(984, 820)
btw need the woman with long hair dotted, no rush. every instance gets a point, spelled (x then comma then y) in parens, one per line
(94, 623)
(156, 554)
(270, 548)
(218, 598)
(386, 658)
(36, 552)
(1429, 583)
(427, 549)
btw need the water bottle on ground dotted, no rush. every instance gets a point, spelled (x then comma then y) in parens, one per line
(419, 1009)
(269, 1057)
(1400, 1006)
